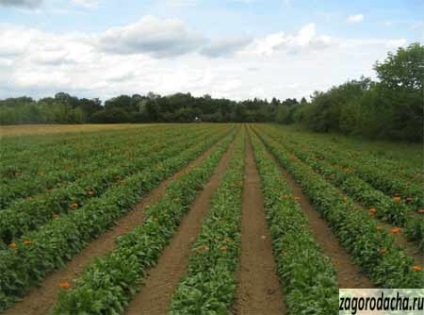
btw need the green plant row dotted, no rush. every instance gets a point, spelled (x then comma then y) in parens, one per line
(51, 246)
(386, 264)
(379, 205)
(307, 276)
(107, 285)
(46, 168)
(210, 283)
(79, 161)
(404, 169)
(371, 172)
(27, 152)
(32, 214)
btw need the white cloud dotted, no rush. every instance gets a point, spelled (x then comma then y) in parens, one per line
(280, 64)
(305, 40)
(225, 47)
(355, 18)
(159, 38)
(395, 43)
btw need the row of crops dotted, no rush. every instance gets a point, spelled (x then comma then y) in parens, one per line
(44, 225)
(60, 222)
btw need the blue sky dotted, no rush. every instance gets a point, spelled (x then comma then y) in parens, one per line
(228, 48)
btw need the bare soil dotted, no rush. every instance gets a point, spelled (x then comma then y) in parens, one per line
(42, 298)
(348, 274)
(26, 130)
(155, 296)
(258, 291)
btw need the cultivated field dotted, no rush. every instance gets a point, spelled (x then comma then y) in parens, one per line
(203, 219)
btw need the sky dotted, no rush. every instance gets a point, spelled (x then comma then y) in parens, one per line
(237, 49)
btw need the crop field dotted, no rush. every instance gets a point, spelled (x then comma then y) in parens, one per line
(203, 219)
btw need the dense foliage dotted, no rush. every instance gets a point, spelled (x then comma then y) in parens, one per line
(372, 249)
(390, 108)
(48, 244)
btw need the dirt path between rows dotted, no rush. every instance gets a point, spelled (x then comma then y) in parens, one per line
(155, 296)
(258, 290)
(348, 274)
(41, 299)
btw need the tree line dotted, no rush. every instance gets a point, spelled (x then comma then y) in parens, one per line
(389, 108)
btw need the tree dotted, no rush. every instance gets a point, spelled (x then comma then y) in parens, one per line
(401, 88)
(405, 69)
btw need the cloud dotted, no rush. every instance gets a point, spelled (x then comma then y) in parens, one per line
(305, 40)
(396, 43)
(89, 4)
(278, 64)
(152, 36)
(224, 48)
(355, 18)
(21, 3)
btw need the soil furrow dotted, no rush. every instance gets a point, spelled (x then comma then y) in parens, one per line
(155, 296)
(258, 290)
(41, 299)
(348, 274)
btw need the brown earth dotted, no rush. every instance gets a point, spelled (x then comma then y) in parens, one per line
(348, 274)
(26, 130)
(41, 299)
(155, 296)
(258, 290)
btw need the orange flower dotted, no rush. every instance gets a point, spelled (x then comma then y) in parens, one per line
(409, 198)
(65, 285)
(297, 198)
(417, 268)
(395, 230)
(396, 199)
(203, 247)
(223, 249)
(383, 251)
(27, 242)
(372, 211)
(74, 205)
(13, 245)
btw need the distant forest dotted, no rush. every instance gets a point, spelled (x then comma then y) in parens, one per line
(390, 108)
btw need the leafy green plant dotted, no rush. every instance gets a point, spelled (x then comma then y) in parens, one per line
(209, 286)
(300, 263)
(355, 230)
(110, 282)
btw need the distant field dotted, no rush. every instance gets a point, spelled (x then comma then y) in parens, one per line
(196, 211)
(19, 130)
